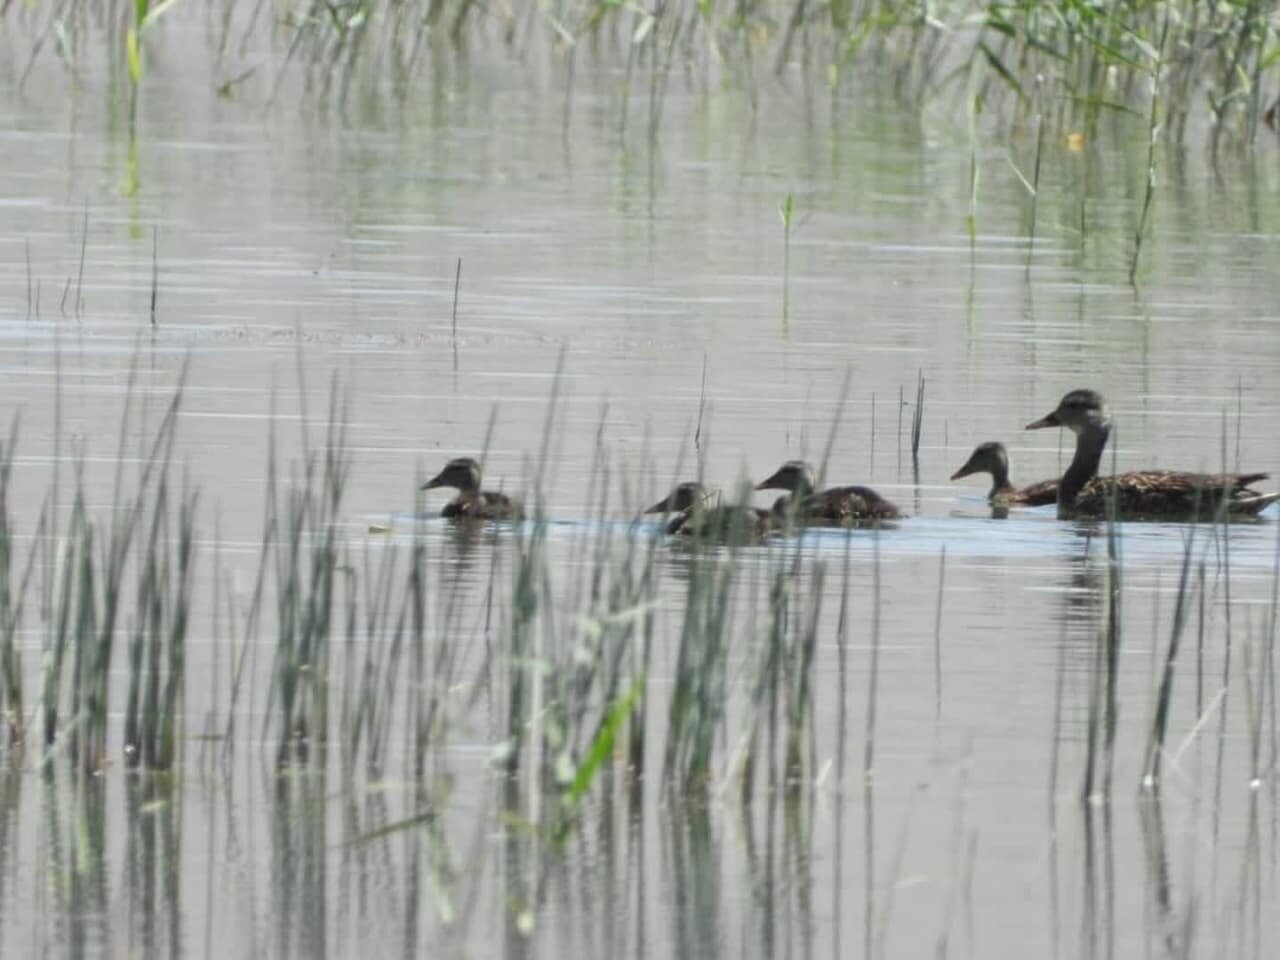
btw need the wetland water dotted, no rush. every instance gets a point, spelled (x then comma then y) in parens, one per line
(296, 245)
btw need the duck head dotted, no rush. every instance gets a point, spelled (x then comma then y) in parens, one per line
(1080, 411)
(461, 473)
(795, 476)
(684, 496)
(989, 457)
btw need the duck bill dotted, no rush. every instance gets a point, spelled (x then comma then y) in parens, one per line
(964, 471)
(770, 484)
(434, 482)
(662, 506)
(1049, 420)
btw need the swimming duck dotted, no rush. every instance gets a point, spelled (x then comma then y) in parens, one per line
(992, 458)
(696, 511)
(1140, 494)
(472, 503)
(840, 506)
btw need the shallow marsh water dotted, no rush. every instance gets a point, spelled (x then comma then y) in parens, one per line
(294, 247)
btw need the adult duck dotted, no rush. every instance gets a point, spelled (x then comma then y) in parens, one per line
(472, 502)
(695, 510)
(1140, 494)
(835, 506)
(992, 458)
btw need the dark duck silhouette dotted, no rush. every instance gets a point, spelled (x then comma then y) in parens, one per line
(472, 503)
(992, 458)
(835, 506)
(695, 510)
(1140, 494)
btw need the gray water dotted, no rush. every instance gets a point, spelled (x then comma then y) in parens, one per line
(296, 245)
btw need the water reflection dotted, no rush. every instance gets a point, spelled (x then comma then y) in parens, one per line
(1159, 882)
(471, 553)
(153, 865)
(1098, 872)
(299, 855)
(10, 829)
(377, 881)
(74, 857)
(1081, 596)
(692, 869)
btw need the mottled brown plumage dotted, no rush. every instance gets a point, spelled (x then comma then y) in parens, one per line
(835, 506)
(472, 503)
(1141, 494)
(696, 511)
(992, 458)
(1173, 494)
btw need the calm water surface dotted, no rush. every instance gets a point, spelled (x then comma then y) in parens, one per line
(296, 246)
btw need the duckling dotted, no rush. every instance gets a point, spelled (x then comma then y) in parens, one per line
(472, 503)
(992, 458)
(840, 506)
(1140, 494)
(696, 511)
